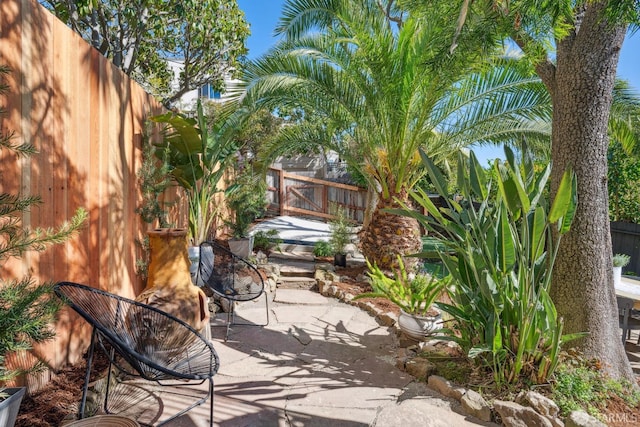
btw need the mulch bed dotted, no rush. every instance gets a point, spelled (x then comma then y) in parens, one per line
(60, 397)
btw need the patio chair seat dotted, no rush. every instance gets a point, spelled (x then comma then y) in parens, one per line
(141, 341)
(231, 278)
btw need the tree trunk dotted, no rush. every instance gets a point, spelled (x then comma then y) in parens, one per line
(388, 235)
(371, 203)
(581, 88)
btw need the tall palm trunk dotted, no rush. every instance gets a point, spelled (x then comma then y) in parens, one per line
(388, 235)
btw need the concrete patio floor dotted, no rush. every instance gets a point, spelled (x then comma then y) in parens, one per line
(319, 362)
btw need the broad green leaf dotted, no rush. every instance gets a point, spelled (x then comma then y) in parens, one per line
(478, 350)
(437, 179)
(565, 197)
(509, 193)
(504, 243)
(511, 158)
(537, 227)
(477, 177)
(525, 203)
(567, 219)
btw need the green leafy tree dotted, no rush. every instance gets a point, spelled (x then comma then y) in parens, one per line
(575, 47)
(143, 38)
(624, 181)
(27, 309)
(382, 84)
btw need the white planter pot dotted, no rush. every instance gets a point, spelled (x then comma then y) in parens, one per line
(194, 259)
(417, 327)
(617, 276)
(10, 406)
(241, 247)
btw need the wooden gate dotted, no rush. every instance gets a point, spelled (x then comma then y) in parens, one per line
(298, 195)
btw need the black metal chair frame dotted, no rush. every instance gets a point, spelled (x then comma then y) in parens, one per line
(108, 315)
(223, 283)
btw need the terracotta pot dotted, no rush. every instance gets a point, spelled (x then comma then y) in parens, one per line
(169, 285)
(419, 327)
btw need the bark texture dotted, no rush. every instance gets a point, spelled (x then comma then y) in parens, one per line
(581, 87)
(388, 235)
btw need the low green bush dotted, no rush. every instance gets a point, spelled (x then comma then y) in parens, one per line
(322, 248)
(579, 384)
(267, 241)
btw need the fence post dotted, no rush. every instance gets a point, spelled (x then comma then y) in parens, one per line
(283, 199)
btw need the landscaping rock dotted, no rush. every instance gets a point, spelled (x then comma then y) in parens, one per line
(419, 368)
(323, 286)
(446, 387)
(542, 404)
(387, 319)
(347, 297)
(439, 384)
(475, 405)
(516, 415)
(582, 419)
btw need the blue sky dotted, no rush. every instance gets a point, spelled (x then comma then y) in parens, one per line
(263, 16)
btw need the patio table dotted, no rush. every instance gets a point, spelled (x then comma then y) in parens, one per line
(629, 287)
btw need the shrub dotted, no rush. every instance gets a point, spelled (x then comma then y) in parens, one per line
(500, 254)
(340, 229)
(267, 241)
(322, 248)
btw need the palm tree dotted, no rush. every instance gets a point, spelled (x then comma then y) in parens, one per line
(383, 85)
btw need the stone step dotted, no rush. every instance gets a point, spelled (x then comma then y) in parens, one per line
(298, 269)
(282, 256)
(285, 282)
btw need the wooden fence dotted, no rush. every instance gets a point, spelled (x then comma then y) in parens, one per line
(291, 194)
(625, 239)
(86, 119)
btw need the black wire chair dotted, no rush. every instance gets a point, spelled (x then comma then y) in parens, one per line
(153, 345)
(231, 278)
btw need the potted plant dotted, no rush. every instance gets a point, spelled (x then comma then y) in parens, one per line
(340, 236)
(246, 199)
(415, 296)
(619, 261)
(198, 154)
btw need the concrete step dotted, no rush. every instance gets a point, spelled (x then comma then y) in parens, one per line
(298, 269)
(285, 282)
(281, 256)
